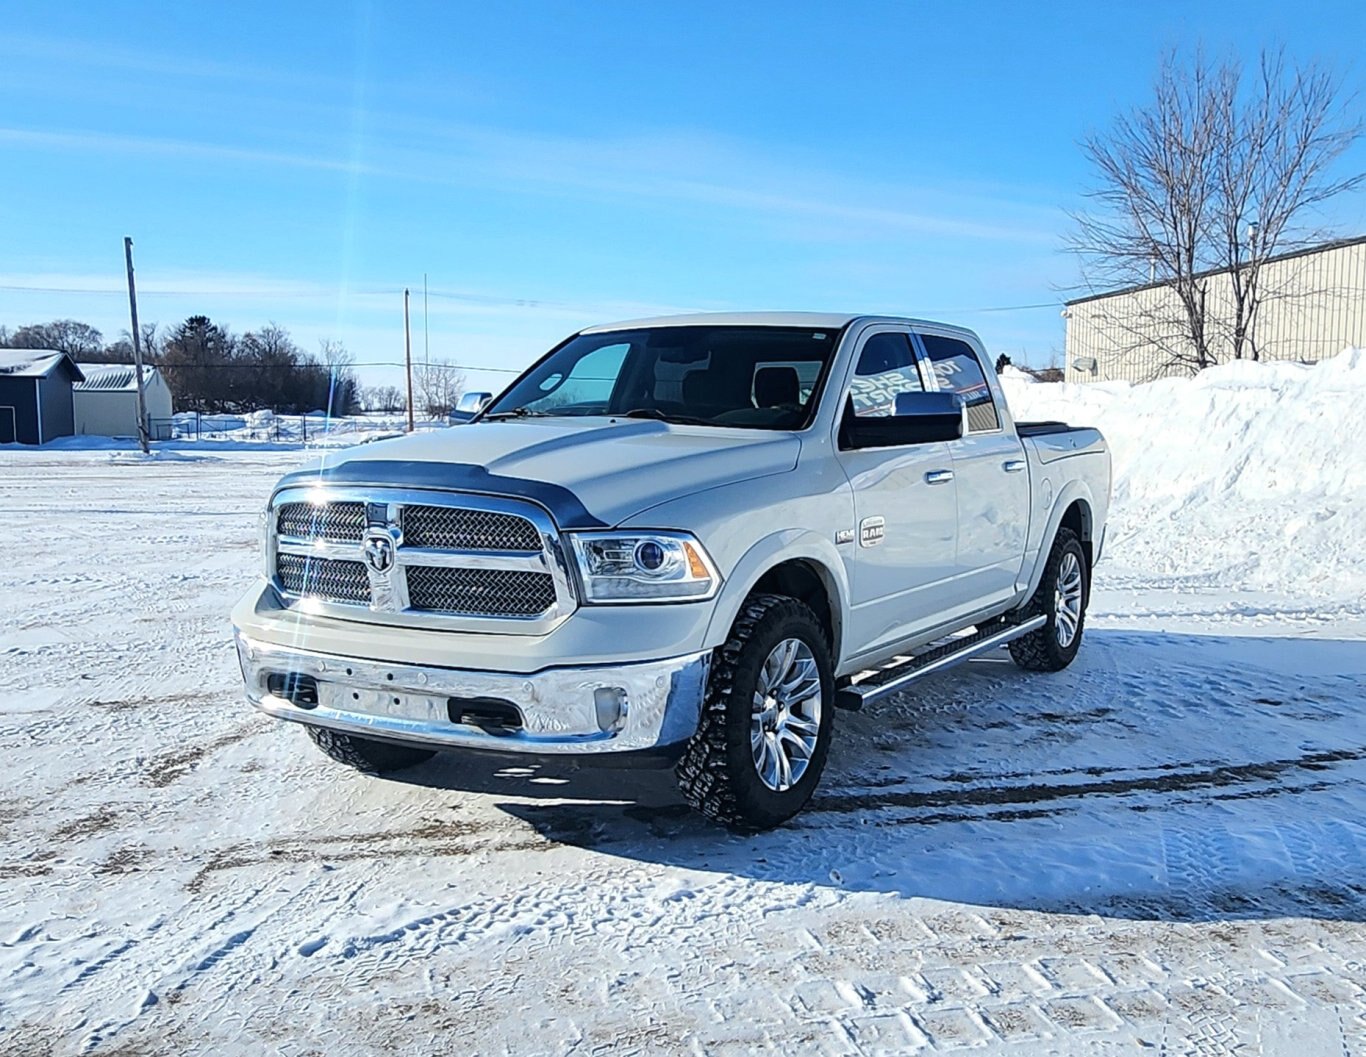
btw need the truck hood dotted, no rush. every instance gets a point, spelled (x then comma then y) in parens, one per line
(590, 473)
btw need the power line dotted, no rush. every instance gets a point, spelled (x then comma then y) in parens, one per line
(279, 295)
(486, 299)
(181, 365)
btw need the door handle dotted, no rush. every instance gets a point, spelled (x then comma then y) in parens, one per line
(1013, 466)
(939, 477)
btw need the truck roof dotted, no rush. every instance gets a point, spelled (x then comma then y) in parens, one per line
(830, 320)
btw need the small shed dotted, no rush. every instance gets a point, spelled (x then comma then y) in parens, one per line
(106, 403)
(35, 395)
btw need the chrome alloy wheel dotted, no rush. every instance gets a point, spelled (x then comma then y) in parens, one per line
(786, 720)
(1067, 600)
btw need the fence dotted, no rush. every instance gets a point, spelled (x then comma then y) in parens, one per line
(268, 427)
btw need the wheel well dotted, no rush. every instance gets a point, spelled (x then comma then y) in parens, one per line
(807, 582)
(1077, 517)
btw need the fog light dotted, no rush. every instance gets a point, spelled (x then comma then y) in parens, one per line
(610, 702)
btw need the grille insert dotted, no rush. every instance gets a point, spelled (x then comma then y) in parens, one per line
(344, 522)
(460, 529)
(480, 592)
(331, 579)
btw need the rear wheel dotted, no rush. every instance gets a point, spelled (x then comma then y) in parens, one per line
(766, 719)
(364, 754)
(1061, 596)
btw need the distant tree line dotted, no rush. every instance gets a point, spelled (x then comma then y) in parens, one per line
(209, 369)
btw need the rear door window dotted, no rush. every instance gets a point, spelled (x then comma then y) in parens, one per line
(958, 370)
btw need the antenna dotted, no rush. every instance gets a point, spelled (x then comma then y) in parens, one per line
(408, 357)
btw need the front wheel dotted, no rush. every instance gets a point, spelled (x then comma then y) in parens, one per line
(766, 719)
(1061, 596)
(364, 754)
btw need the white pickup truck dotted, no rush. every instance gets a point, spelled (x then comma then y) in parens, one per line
(685, 539)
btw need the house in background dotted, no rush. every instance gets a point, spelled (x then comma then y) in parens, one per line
(35, 395)
(106, 403)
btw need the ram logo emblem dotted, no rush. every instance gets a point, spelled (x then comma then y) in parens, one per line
(871, 530)
(379, 551)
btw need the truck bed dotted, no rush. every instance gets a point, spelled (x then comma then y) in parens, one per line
(1039, 429)
(1057, 440)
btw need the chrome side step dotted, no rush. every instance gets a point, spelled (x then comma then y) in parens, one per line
(889, 680)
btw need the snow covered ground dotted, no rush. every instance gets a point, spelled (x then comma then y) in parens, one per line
(1159, 850)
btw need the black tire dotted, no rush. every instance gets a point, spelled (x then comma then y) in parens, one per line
(718, 774)
(372, 757)
(1042, 649)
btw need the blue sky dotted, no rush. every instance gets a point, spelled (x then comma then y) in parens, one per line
(550, 165)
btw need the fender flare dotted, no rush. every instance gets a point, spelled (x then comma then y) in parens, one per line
(769, 552)
(1071, 492)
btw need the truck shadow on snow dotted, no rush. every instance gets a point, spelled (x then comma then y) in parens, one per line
(1161, 777)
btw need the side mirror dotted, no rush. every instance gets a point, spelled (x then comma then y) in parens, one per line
(473, 402)
(921, 418)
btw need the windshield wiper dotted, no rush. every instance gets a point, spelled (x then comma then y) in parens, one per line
(519, 412)
(662, 416)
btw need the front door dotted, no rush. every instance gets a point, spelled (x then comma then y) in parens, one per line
(900, 555)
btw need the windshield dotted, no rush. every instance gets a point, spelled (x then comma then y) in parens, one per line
(752, 377)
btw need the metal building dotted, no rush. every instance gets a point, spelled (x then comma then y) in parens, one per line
(1314, 306)
(35, 395)
(106, 403)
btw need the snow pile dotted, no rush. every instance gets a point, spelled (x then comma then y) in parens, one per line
(1012, 373)
(1252, 474)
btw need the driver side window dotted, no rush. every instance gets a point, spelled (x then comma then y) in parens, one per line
(886, 368)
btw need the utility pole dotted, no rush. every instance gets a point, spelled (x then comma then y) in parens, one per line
(137, 345)
(408, 357)
(426, 334)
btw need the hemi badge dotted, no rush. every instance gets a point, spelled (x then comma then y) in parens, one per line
(844, 536)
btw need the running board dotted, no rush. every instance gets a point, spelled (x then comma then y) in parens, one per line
(889, 680)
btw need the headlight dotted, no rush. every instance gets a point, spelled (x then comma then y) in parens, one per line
(643, 567)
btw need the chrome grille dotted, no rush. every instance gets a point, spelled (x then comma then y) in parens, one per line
(340, 521)
(462, 529)
(486, 592)
(331, 579)
(421, 557)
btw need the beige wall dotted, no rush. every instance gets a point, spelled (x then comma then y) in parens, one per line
(114, 412)
(1314, 306)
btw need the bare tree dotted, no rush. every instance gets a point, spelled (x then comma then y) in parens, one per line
(386, 398)
(1277, 149)
(121, 351)
(437, 386)
(1198, 189)
(78, 340)
(344, 395)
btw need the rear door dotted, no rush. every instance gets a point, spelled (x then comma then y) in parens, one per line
(901, 552)
(989, 469)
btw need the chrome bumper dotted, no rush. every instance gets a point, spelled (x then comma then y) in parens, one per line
(558, 711)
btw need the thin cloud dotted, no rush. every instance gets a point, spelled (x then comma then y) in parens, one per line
(661, 169)
(123, 144)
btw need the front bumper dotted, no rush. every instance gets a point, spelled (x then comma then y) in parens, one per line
(571, 711)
